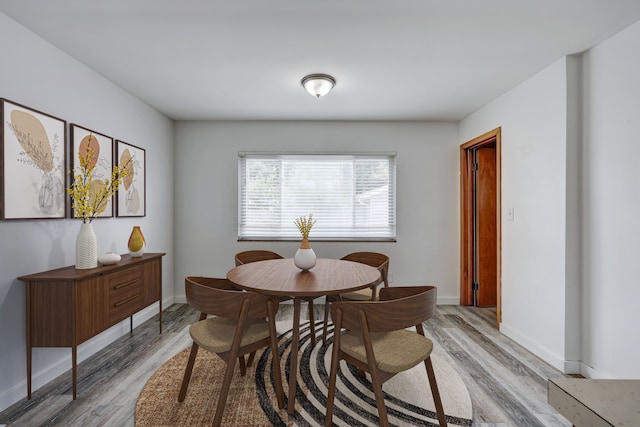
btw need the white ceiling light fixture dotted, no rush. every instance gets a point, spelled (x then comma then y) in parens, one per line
(318, 84)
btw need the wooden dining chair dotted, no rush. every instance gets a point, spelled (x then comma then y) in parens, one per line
(374, 259)
(243, 322)
(261, 255)
(376, 341)
(255, 255)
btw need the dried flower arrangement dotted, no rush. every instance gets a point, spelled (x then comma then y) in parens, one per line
(304, 225)
(89, 195)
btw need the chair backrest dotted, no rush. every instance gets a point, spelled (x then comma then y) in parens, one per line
(374, 259)
(218, 297)
(256, 255)
(399, 307)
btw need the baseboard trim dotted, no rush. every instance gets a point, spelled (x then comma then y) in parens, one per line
(448, 301)
(588, 372)
(565, 366)
(87, 349)
(572, 367)
(531, 345)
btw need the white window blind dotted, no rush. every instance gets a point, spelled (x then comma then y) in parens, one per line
(352, 196)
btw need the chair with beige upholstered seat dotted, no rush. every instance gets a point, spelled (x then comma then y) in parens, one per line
(243, 322)
(374, 259)
(376, 341)
(262, 255)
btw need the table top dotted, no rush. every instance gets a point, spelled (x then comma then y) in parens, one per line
(282, 278)
(71, 273)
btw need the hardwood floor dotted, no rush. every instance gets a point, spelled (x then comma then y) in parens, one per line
(507, 384)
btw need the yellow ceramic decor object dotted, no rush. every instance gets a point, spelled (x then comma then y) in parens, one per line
(136, 242)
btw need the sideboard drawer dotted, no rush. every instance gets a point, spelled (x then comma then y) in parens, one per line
(125, 306)
(125, 293)
(123, 281)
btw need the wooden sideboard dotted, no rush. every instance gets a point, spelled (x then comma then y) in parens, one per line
(66, 307)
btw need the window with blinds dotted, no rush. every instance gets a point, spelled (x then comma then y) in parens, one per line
(352, 196)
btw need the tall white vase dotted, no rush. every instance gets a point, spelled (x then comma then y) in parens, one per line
(86, 247)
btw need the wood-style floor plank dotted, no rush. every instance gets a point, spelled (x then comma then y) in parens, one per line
(507, 383)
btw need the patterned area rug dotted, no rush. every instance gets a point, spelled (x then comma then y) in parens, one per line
(251, 400)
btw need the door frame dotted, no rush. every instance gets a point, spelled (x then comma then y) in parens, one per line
(466, 217)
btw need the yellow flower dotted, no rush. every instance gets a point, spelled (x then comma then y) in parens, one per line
(304, 225)
(89, 195)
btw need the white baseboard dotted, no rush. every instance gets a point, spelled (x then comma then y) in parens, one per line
(448, 301)
(572, 367)
(565, 366)
(542, 352)
(588, 372)
(87, 349)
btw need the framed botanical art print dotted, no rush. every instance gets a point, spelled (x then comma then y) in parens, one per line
(131, 196)
(32, 159)
(99, 148)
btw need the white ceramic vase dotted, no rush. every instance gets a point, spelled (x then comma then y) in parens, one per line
(305, 259)
(86, 247)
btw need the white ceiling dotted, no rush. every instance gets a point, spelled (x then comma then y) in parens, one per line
(392, 59)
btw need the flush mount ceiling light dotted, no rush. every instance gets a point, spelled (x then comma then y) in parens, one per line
(318, 84)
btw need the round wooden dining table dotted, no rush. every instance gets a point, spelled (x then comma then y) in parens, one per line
(280, 277)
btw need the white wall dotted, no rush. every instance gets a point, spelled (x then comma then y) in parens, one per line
(38, 75)
(570, 170)
(427, 245)
(534, 142)
(611, 203)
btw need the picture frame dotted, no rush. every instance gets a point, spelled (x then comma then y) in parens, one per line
(32, 163)
(103, 145)
(131, 196)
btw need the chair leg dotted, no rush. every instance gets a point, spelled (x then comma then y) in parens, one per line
(377, 389)
(275, 357)
(252, 356)
(335, 360)
(224, 391)
(434, 391)
(243, 367)
(187, 372)
(312, 323)
(326, 321)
